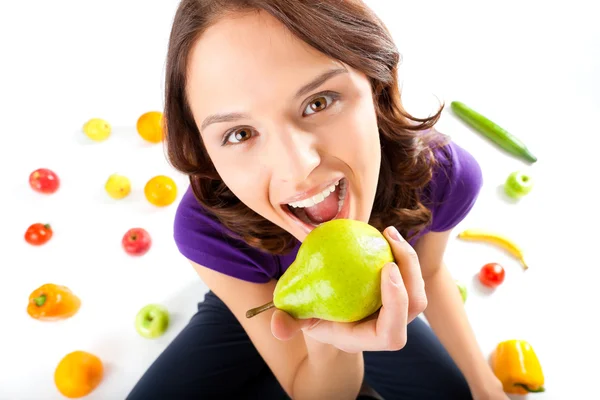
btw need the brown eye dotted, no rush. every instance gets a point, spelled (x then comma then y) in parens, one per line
(318, 104)
(239, 135)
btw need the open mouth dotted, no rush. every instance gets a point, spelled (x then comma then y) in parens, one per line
(332, 203)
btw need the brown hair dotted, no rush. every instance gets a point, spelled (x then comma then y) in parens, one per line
(344, 30)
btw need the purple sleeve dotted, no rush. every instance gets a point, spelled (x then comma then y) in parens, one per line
(455, 187)
(203, 240)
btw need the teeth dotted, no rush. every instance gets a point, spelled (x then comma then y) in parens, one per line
(342, 195)
(308, 202)
(316, 199)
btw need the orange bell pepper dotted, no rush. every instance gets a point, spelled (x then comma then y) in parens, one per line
(516, 365)
(52, 302)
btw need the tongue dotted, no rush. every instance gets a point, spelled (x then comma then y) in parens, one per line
(325, 210)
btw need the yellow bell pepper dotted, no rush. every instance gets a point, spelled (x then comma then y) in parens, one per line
(516, 365)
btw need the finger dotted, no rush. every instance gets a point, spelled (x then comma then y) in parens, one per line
(390, 327)
(408, 261)
(284, 326)
(340, 335)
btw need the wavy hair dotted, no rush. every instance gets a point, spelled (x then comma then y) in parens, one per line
(345, 30)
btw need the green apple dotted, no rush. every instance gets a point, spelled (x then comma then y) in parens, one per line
(463, 290)
(518, 184)
(118, 186)
(152, 321)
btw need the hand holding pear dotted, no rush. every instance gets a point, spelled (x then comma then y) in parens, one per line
(324, 300)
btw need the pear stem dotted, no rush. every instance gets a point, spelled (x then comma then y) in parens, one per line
(255, 311)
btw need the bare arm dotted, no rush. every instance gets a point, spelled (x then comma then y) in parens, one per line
(328, 373)
(305, 368)
(447, 317)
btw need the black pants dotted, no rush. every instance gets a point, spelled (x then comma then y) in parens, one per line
(213, 358)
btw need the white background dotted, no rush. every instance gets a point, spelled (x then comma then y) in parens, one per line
(533, 67)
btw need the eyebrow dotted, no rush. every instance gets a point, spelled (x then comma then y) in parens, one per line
(309, 87)
(218, 118)
(319, 80)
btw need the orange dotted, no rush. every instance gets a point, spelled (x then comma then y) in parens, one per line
(160, 191)
(149, 126)
(78, 374)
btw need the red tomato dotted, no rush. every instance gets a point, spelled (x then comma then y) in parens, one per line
(491, 275)
(43, 180)
(38, 234)
(136, 242)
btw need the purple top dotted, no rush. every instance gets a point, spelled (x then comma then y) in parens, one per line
(450, 195)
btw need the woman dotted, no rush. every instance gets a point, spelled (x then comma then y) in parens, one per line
(286, 114)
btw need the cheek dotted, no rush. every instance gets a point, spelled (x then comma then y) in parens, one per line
(367, 120)
(357, 138)
(249, 183)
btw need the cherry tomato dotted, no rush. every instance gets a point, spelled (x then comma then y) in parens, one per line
(43, 180)
(491, 275)
(38, 234)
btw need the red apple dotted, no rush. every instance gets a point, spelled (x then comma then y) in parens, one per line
(136, 242)
(44, 180)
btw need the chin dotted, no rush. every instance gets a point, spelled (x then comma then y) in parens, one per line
(301, 225)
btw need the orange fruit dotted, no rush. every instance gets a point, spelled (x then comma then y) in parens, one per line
(160, 191)
(149, 126)
(78, 374)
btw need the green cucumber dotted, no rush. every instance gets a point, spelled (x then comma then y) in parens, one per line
(492, 131)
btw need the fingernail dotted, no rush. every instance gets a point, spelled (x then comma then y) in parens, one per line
(395, 275)
(395, 235)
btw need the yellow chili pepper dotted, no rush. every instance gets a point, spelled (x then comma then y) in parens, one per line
(516, 365)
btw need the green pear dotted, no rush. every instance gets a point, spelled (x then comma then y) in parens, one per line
(336, 275)
(463, 290)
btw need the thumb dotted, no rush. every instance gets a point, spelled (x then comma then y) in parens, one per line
(284, 326)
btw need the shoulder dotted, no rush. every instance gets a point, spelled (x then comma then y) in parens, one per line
(454, 188)
(201, 238)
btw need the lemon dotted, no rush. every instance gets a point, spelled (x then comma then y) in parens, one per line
(97, 129)
(149, 126)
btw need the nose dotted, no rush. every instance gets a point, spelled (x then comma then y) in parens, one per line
(295, 155)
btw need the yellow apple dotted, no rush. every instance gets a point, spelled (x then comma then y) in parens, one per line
(97, 129)
(118, 186)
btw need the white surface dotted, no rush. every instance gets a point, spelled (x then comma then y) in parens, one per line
(532, 67)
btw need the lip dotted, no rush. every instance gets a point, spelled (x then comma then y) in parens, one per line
(343, 214)
(313, 191)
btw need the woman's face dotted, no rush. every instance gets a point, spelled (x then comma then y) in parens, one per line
(291, 132)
